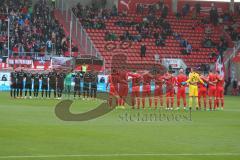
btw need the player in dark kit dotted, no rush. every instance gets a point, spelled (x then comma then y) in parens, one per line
(94, 82)
(86, 81)
(44, 78)
(36, 85)
(13, 84)
(60, 84)
(77, 86)
(52, 83)
(28, 85)
(20, 76)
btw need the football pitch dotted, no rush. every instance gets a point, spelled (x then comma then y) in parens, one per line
(29, 129)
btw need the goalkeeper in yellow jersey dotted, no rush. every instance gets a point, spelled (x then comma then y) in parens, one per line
(193, 81)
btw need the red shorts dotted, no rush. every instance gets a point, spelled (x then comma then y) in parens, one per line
(181, 92)
(170, 93)
(158, 92)
(135, 91)
(123, 90)
(220, 92)
(202, 92)
(212, 91)
(146, 90)
(113, 90)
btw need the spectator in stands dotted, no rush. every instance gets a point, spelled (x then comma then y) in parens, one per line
(178, 15)
(160, 41)
(1, 48)
(114, 11)
(183, 43)
(189, 49)
(137, 38)
(110, 36)
(140, 8)
(143, 50)
(208, 43)
(222, 46)
(208, 30)
(197, 8)
(235, 87)
(185, 9)
(214, 14)
(49, 46)
(177, 36)
(74, 49)
(212, 55)
(164, 11)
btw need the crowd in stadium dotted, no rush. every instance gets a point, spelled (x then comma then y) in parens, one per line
(33, 29)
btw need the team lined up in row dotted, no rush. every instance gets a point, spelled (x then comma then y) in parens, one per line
(58, 82)
(199, 87)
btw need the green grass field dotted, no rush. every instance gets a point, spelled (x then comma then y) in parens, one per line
(29, 130)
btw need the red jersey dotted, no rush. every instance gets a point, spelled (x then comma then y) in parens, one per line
(123, 78)
(136, 79)
(200, 85)
(170, 82)
(147, 78)
(181, 78)
(159, 80)
(211, 79)
(113, 79)
(220, 82)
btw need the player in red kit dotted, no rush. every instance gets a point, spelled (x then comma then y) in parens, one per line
(123, 86)
(220, 91)
(212, 81)
(181, 88)
(170, 83)
(158, 92)
(136, 80)
(202, 93)
(113, 83)
(147, 79)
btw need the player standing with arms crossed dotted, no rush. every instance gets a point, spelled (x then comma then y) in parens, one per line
(123, 86)
(94, 82)
(135, 95)
(170, 81)
(202, 93)
(181, 93)
(220, 91)
(212, 81)
(193, 81)
(158, 91)
(77, 85)
(147, 79)
(13, 84)
(52, 84)
(36, 85)
(20, 77)
(28, 85)
(44, 78)
(113, 80)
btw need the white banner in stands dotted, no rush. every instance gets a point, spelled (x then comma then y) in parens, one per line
(4, 81)
(175, 63)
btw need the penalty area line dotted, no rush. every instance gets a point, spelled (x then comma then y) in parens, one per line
(119, 155)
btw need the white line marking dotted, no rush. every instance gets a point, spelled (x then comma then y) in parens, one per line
(120, 155)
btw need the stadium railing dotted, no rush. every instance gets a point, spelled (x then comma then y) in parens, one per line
(76, 30)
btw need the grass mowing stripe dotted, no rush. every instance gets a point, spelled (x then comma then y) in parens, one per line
(123, 155)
